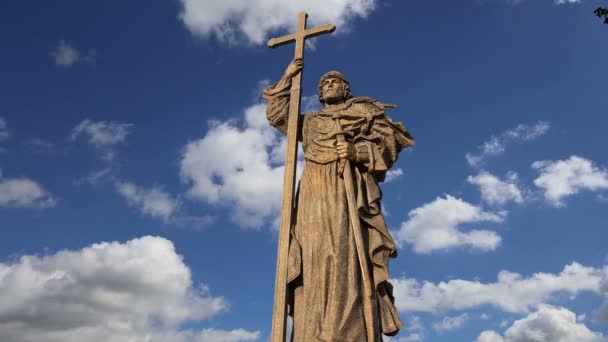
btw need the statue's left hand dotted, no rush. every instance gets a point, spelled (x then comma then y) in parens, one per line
(346, 150)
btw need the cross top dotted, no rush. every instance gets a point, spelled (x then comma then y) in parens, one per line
(301, 34)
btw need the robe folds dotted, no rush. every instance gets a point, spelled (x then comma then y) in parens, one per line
(325, 293)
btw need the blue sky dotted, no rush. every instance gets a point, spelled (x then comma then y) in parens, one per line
(140, 183)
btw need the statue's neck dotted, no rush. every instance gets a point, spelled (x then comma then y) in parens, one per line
(333, 106)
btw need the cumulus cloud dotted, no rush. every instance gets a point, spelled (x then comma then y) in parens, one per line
(65, 55)
(512, 292)
(602, 313)
(562, 178)
(153, 202)
(496, 191)
(4, 132)
(489, 336)
(24, 193)
(548, 323)
(451, 323)
(238, 164)
(103, 135)
(140, 290)
(498, 144)
(253, 20)
(435, 226)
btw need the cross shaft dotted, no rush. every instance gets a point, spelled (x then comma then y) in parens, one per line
(279, 314)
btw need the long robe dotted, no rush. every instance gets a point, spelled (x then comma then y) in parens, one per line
(324, 276)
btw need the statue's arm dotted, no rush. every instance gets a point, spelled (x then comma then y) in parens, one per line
(278, 97)
(277, 109)
(379, 147)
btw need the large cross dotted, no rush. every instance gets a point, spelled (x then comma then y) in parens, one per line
(279, 314)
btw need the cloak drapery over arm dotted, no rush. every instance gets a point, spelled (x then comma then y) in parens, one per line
(384, 139)
(277, 111)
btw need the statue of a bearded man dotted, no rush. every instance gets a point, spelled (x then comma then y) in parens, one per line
(324, 276)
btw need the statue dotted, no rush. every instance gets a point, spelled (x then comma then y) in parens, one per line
(336, 281)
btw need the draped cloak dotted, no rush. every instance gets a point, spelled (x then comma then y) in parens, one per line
(324, 278)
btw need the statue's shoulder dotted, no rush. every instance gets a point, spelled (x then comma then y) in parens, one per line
(309, 115)
(364, 104)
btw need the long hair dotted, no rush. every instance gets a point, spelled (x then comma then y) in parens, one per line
(338, 75)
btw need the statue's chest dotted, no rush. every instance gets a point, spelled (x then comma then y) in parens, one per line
(320, 133)
(320, 126)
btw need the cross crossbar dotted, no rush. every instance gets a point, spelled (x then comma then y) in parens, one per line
(328, 28)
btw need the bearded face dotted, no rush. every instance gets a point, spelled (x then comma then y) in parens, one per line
(333, 90)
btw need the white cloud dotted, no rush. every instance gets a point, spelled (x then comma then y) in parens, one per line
(434, 226)
(140, 290)
(95, 176)
(562, 178)
(24, 193)
(104, 135)
(238, 166)
(548, 323)
(204, 335)
(498, 144)
(414, 332)
(213, 335)
(451, 323)
(602, 313)
(66, 55)
(393, 174)
(311, 103)
(512, 292)
(153, 202)
(489, 336)
(413, 337)
(496, 191)
(4, 132)
(253, 20)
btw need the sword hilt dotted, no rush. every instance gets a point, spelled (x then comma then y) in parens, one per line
(340, 137)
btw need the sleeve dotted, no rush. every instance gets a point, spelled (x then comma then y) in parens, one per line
(364, 152)
(277, 111)
(383, 139)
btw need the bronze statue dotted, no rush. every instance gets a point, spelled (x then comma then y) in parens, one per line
(323, 272)
(335, 279)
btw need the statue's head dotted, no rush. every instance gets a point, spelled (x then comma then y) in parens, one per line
(333, 88)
